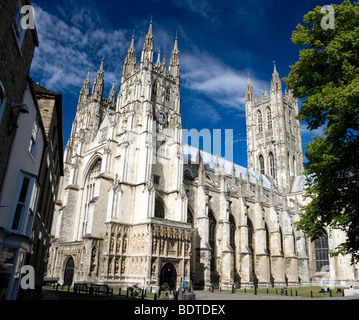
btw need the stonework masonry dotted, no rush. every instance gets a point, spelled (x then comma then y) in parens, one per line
(136, 206)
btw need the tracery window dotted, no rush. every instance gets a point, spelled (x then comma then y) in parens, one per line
(321, 247)
(212, 239)
(90, 193)
(269, 118)
(272, 165)
(260, 121)
(261, 164)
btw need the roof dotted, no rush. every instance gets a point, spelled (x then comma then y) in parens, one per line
(298, 184)
(191, 153)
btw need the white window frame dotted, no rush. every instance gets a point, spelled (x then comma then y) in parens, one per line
(18, 31)
(29, 205)
(3, 101)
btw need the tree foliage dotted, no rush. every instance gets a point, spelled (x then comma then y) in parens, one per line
(327, 77)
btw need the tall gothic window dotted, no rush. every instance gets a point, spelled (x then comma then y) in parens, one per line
(251, 244)
(261, 164)
(159, 210)
(212, 239)
(90, 193)
(190, 218)
(168, 94)
(321, 247)
(272, 165)
(260, 121)
(269, 118)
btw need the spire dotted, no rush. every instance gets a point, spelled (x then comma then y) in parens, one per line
(112, 95)
(249, 91)
(147, 51)
(85, 91)
(158, 63)
(131, 59)
(98, 86)
(276, 84)
(174, 68)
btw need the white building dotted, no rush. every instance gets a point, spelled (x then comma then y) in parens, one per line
(19, 196)
(137, 206)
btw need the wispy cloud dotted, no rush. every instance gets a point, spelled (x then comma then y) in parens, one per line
(67, 50)
(218, 81)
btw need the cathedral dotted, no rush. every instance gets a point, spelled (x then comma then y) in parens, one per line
(137, 206)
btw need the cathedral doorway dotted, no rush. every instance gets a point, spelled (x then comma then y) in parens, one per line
(69, 272)
(169, 275)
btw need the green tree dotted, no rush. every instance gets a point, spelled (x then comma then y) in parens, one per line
(327, 78)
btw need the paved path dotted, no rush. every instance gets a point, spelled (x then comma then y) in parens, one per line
(207, 295)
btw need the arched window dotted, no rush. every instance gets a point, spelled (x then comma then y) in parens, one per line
(3, 99)
(89, 192)
(272, 165)
(269, 118)
(212, 239)
(260, 121)
(261, 164)
(190, 218)
(159, 210)
(168, 94)
(232, 226)
(321, 247)
(251, 245)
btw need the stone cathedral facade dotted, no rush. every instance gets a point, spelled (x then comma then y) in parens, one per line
(136, 206)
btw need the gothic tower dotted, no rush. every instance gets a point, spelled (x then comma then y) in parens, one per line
(274, 145)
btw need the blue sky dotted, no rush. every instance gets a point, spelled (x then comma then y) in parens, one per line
(220, 42)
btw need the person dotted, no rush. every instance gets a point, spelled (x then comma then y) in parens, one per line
(339, 290)
(321, 290)
(351, 288)
(328, 289)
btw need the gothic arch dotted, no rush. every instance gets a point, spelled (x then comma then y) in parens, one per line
(89, 166)
(272, 168)
(262, 165)
(190, 216)
(269, 118)
(321, 251)
(160, 208)
(260, 121)
(69, 268)
(212, 238)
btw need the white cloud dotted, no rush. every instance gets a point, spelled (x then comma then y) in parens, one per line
(219, 82)
(68, 49)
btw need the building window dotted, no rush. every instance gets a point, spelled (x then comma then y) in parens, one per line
(156, 180)
(26, 205)
(212, 239)
(19, 32)
(261, 164)
(190, 218)
(269, 119)
(272, 165)
(33, 140)
(90, 193)
(20, 206)
(159, 210)
(321, 247)
(260, 122)
(168, 94)
(3, 99)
